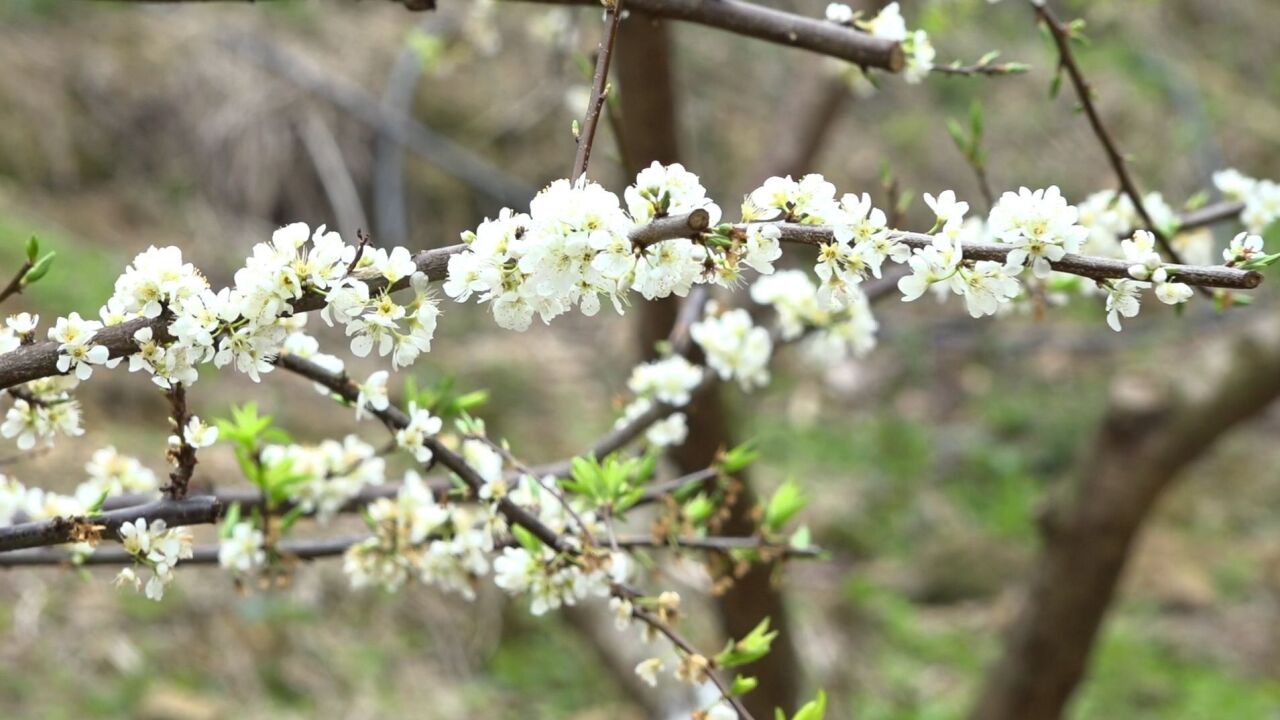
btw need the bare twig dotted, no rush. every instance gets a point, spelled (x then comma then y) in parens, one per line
(15, 285)
(1067, 61)
(395, 419)
(955, 69)
(599, 89)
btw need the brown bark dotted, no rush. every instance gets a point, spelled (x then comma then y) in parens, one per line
(1147, 439)
(650, 131)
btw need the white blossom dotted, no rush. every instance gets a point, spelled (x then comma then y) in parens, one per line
(242, 551)
(735, 347)
(422, 425)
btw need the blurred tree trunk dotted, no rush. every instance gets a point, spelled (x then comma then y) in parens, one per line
(816, 100)
(1148, 437)
(649, 129)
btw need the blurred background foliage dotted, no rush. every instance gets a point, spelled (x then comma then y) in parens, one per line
(123, 126)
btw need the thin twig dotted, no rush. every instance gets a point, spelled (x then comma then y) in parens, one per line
(599, 89)
(395, 419)
(955, 69)
(1066, 60)
(15, 285)
(685, 646)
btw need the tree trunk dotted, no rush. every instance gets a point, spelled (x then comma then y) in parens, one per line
(1146, 440)
(649, 129)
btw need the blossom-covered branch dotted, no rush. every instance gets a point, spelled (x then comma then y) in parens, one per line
(1094, 268)
(321, 548)
(30, 362)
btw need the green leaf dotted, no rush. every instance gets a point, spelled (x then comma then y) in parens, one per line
(754, 646)
(957, 135)
(975, 122)
(1056, 85)
(229, 521)
(33, 248)
(96, 507)
(40, 269)
(801, 538)
(1197, 201)
(1260, 263)
(815, 709)
(988, 58)
(738, 458)
(743, 685)
(290, 518)
(527, 540)
(787, 500)
(698, 510)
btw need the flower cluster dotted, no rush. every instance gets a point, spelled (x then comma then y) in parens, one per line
(46, 411)
(415, 536)
(327, 475)
(1041, 225)
(735, 347)
(553, 582)
(413, 437)
(1109, 216)
(242, 551)
(837, 334)
(574, 246)
(670, 381)
(17, 329)
(1261, 198)
(111, 473)
(156, 548)
(247, 325)
(1146, 269)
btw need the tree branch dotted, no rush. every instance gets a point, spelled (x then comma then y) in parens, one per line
(321, 548)
(32, 362)
(15, 285)
(776, 26)
(189, 511)
(1095, 268)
